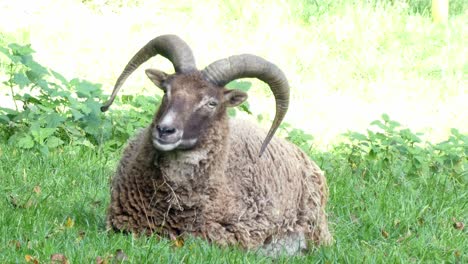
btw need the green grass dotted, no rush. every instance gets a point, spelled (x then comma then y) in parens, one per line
(378, 212)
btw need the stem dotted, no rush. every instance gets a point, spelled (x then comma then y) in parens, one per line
(10, 84)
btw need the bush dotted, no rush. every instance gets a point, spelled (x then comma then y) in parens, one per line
(51, 111)
(389, 149)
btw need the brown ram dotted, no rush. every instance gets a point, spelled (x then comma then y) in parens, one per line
(193, 171)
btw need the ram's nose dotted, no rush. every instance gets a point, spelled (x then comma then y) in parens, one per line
(164, 131)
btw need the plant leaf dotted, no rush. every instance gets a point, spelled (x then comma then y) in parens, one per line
(53, 142)
(21, 80)
(26, 142)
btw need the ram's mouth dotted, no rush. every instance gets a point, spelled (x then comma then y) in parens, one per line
(165, 145)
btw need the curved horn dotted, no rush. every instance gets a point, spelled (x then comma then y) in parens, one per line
(169, 46)
(223, 71)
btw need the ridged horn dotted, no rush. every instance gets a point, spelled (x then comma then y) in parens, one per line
(223, 71)
(169, 46)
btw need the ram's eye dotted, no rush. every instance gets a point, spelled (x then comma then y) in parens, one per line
(212, 104)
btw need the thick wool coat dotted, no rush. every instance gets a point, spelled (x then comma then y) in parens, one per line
(222, 191)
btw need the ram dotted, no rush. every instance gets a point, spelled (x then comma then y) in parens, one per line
(194, 171)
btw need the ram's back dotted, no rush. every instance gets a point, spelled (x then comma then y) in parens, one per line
(283, 187)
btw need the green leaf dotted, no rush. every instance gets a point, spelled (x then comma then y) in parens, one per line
(73, 129)
(45, 108)
(12, 57)
(241, 85)
(4, 119)
(40, 134)
(21, 80)
(35, 67)
(44, 150)
(53, 120)
(53, 142)
(85, 142)
(358, 136)
(44, 86)
(8, 111)
(455, 132)
(29, 99)
(85, 89)
(59, 77)
(57, 92)
(379, 124)
(393, 124)
(33, 76)
(385, 117)
(246, 108)
(127, 99)
(21, 49)
(77, 115)
(26, 142)
(5, 51)
(85, 109)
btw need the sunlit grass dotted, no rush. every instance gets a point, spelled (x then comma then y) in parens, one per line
(347, 64)
(378, 213)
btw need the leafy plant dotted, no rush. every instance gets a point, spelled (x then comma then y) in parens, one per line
(49, 110)
(136, 114)
(451, 156)
(402, 152)
(298, 136)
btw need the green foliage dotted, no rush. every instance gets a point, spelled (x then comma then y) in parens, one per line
(298, 136)
(394, 198)
(456, 7)
(401, 153)
(306, 10)
(137, 113)
(51, 111)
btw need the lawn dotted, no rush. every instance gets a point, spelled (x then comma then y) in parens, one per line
(383, 208)
(396, 196)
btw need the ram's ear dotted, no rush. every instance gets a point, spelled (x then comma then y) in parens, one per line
(234, 97)
(157, 77)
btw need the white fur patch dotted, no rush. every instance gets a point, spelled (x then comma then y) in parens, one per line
(203, 102)
(168, 91)
(166, 147)
(168, 119)
(189, 141)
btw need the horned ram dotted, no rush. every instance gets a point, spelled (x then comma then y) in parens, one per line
(194, 171)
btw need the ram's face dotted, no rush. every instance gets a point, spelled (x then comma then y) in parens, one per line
(190, 104)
